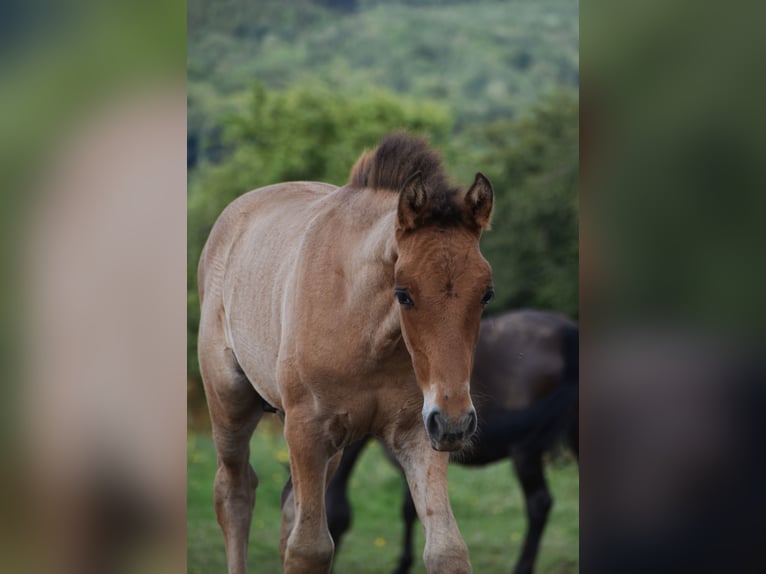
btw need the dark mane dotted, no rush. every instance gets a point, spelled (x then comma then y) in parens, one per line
(399, 156)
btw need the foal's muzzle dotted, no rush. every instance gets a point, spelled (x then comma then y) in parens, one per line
(448, 433)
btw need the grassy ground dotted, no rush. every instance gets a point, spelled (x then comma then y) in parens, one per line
(487, 503)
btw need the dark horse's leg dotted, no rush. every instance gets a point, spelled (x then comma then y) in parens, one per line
(336, 497)
(529, 470)
(409, 515)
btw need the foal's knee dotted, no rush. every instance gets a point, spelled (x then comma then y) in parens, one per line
(235, 486)
(236, 476)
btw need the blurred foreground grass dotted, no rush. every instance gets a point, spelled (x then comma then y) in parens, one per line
(487, 503)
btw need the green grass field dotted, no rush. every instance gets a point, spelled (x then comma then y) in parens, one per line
(487, 503)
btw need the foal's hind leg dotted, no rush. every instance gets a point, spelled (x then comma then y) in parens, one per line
(235, 409)
(538, 501)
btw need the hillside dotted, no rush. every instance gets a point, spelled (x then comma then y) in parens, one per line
(485, 58)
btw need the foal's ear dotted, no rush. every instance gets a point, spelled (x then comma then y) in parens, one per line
(413, 202)
(479, 200)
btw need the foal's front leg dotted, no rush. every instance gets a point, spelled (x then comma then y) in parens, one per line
(426, 471)
(308, 548)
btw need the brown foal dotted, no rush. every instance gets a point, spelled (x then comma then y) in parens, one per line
(349, 311)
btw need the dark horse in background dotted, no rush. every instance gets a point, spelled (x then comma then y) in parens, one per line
(524, 386)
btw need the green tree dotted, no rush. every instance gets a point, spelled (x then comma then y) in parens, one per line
(533, 163)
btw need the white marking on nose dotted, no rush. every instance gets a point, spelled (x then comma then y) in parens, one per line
(428, 403)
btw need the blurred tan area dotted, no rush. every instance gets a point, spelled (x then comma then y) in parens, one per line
(92, 166)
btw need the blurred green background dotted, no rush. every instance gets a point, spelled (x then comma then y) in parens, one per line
(296, 90)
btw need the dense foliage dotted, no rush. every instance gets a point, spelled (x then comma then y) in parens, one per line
(296, 90)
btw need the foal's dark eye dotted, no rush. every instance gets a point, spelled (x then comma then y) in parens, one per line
(403, 296)
(488, 296)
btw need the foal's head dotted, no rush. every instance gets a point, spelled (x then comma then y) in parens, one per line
(442, 286)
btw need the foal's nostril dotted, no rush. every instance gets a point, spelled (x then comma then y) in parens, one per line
(432, 424)
(472, 423)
